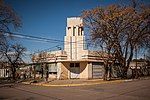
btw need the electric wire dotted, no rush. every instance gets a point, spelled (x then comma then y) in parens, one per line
(36, 38)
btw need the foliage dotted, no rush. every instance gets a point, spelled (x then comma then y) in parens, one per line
(119, 30)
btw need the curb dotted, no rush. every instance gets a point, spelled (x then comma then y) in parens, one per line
(73, 85)
(6, 85)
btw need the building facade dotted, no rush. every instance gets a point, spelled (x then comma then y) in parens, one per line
(4, 70)
(75, 61)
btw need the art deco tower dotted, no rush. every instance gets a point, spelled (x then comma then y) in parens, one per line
(74, 39)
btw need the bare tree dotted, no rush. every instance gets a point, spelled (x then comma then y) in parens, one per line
(120, 30)
(12, 54)
(148, 55)
(41, 59)
(8, 18)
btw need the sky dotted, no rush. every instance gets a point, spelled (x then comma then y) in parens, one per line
(47, 18)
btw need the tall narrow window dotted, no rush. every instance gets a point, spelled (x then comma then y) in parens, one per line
(74, 28)
(81, 30)
(78, 31)
(69, 28)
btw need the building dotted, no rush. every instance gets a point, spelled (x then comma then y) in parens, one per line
(4, 70)
(141, 65)
(75, 61)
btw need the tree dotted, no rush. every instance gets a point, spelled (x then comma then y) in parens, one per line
(148, 55)
(120, 30)
(40, 59)
(8, 19)
(12, 54)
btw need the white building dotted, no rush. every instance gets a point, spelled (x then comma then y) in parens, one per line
(4, 70)
(74, 61)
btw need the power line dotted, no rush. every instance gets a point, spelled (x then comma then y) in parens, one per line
(39, 38)
(33, 37)
(49, 49)
(19, 35)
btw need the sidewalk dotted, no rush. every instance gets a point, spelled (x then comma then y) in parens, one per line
(74, 82)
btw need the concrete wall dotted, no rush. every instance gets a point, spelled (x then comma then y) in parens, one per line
(89, 70)
(84, 70)
(52, 76)
(65, 73)
(74, 39)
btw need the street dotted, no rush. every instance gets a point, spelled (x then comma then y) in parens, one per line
(131, 90)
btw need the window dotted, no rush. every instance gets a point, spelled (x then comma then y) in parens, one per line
(77, 65)
(69, 28)
(52, 68)
(74, 28)
(74, 65)
(52, 72)
(38, 67)
(81, 30)
(71, 64)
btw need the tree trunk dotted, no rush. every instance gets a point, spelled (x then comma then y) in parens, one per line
(42, 72)
(34, 72)
(13, 69)
(128, 63)
(125, 69)
(46, 67)
(136, 71)
(110, 71)
(105, 71)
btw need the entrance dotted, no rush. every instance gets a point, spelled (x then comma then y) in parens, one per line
(74, 70)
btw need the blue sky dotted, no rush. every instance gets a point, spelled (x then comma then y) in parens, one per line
(47, 18)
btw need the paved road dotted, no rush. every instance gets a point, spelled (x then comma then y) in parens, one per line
(135, 90)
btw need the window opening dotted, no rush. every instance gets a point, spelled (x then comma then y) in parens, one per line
(74, 28)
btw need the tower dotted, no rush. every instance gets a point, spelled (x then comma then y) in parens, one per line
(74, 39)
